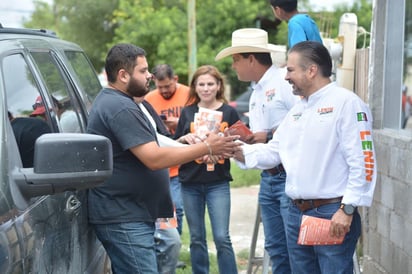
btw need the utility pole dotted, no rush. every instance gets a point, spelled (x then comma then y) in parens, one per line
(192, 45)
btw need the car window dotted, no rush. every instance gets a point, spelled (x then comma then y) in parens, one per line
(21, 88)
(90, 85)
(58, 88)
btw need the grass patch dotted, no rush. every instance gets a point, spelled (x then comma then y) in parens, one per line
(244, 177)
(242, 258)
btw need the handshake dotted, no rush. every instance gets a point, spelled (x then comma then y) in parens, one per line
(219, 146)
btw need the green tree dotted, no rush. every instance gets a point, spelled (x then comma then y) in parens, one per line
(160, 27)
(85, 22)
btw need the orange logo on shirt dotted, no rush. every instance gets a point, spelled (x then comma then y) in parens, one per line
(367, 147)
(325, 110)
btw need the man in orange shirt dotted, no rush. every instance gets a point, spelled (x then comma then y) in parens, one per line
(168, 99)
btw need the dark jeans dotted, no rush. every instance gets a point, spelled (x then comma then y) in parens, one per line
(176, 193)
(274, 210)
(130, 246)
(217, 199)
(337, 259)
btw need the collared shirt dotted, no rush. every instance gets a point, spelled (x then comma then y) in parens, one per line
(271, 99)
(326, 147)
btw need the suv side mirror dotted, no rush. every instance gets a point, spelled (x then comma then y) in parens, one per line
(66, 162)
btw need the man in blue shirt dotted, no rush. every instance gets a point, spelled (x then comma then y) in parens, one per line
(301, 27)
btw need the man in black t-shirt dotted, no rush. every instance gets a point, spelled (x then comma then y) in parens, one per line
(27, 130)
(123, 209)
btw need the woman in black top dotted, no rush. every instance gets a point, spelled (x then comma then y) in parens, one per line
(205, 182)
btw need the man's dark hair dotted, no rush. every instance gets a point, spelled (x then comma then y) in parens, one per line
(163, 71)
(121, 56)
(263, 58)
(286, 5)
(314, 52)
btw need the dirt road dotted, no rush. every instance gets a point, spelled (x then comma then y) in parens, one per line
(242, 221)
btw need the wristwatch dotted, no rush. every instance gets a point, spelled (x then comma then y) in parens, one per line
(348, 209)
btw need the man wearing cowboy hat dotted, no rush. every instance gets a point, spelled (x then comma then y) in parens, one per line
(326, 145)
(271, 99)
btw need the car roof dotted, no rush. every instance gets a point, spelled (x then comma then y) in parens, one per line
(24, 31)
(25, 37)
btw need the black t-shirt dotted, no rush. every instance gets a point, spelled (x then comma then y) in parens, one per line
(133, 192)
(193, 172)
(27, 130)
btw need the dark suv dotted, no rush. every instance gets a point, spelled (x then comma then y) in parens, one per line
(241, 104)
(43, 213)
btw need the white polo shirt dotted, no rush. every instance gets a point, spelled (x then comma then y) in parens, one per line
(270, 101)
(326, 147)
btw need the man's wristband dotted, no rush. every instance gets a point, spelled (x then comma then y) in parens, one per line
(208, 147)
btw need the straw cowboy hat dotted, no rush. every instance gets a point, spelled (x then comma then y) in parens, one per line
(249, 40)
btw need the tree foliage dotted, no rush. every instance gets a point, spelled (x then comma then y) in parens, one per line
(85, 22)
(161, 27)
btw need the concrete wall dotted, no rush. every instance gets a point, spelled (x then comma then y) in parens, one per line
(387, 224)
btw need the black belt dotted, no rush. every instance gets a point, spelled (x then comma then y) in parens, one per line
(276, 170)
(304, 205)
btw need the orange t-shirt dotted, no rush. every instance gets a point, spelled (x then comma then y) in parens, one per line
(171, 108)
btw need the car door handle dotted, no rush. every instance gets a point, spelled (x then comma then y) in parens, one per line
(72, 206)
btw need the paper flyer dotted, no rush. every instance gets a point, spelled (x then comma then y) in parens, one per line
(166, 223)
(207, 120)
(315, 231)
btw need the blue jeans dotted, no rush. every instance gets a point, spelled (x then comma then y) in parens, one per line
(274, 210)
(176, 193)
(130, 246)
(337, 259)
(167, 249)
(216, 196)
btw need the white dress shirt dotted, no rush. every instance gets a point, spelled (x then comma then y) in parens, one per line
(164, 141)
(325, 145)
(270, 101)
